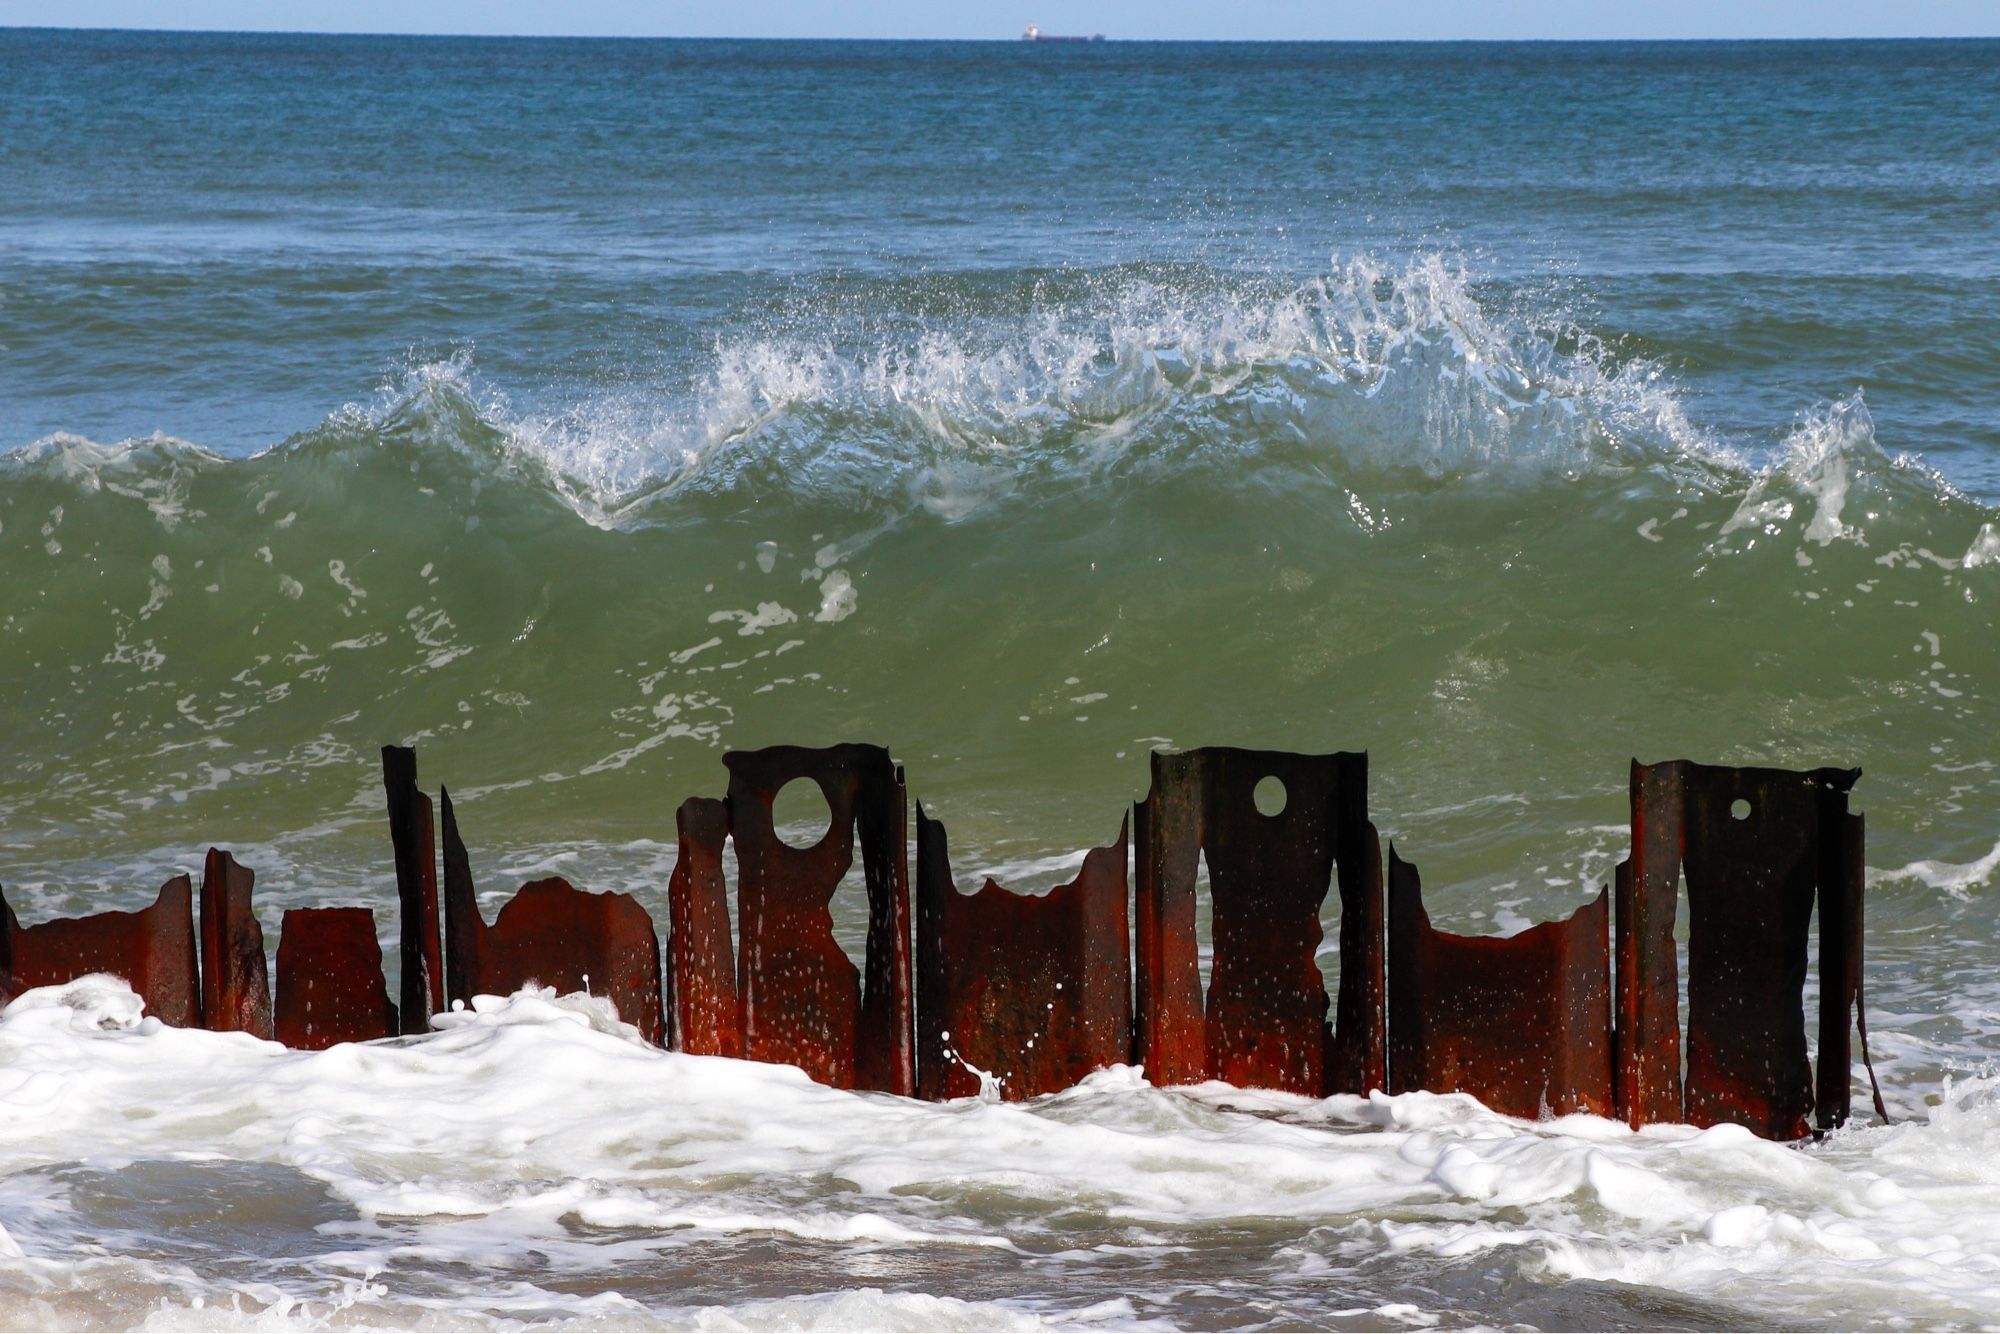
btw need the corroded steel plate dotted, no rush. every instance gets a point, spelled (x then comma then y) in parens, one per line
(152, 949)
(330, 987)
(1033, 990)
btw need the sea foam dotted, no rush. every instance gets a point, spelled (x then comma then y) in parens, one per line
(534, 1140)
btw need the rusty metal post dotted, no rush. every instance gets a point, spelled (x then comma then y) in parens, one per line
(1268, 1020)
(1841, 886)
(1523, 1023)
(1647, 886)
(152, 949)
(554, 934)
(462, 923)
(1358, 1052)
(330, 987)
(1751, 885)
(1757, 850)
(412, 833)
(1034, 990)
(803, 1001)
(885, 1056)
(235, 982)
(1265, 1020)
(1409, 1036)
(1170, 1037)
(702, 971)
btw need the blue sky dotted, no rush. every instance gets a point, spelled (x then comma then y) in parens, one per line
(1336, 19)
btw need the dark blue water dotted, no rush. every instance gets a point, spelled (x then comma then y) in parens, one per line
(1777, 223)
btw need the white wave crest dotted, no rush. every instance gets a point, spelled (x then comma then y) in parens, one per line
(1955, 879)
(1402, 368)
(1366, 369)
(1371, 378)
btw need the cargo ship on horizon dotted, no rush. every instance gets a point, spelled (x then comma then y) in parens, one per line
(1034, 33)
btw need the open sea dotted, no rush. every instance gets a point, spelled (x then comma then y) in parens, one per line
(580, 410)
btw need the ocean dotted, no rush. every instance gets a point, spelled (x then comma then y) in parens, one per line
(579, 410)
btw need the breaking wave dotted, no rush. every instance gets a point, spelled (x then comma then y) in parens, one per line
(1364, 372)
(1068, 522)
(1369, 377)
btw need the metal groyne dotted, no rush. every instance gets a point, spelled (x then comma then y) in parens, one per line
(1030, 993)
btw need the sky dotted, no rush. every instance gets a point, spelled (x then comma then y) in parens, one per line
(1149, 19)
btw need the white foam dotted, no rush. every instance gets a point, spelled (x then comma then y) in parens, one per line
(528, 1117)
(1985, 548)
(1957, 879)
(93, 1001)
(864, 1309)
(1817, 455)
(1815, 466)
(837, 597)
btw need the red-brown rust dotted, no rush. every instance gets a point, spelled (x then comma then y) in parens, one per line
(1169, 1033)
(235, 982)
(1265, 1021)
(1523, 1023)
(1647, 889)
(1358, 1060)
(554, 935)
(1752, 882)
(330, 987)
(412, 832)
(1034, 990)
(1840, 888)
(802, 1000)
(152, 949)
(1751, 887)
(702, 968)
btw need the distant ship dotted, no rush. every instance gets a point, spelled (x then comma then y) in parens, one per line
(1033, 33)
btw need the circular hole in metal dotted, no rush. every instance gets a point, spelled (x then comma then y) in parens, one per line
(1269, 795)
(1739, 809)
(800, 814)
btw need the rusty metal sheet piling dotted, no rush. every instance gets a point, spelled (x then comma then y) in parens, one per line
(414, 837)
(235, 983)
(1757, 849)
(1264, 1020)
(1647, 1035)
(1751, 885)
(1034, 989)
(330, 987)
(1039, 990)
(152, 949)
(702, 974)
(802, 1000)
(553, 934)
(1169, 1036)
(1523, 1023)
(1840, 893)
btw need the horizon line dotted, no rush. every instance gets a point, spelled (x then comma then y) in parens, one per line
(981, 41)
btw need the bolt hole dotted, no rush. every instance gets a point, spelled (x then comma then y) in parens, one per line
(1269, 795)
(800, 815)
(1740, 809)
